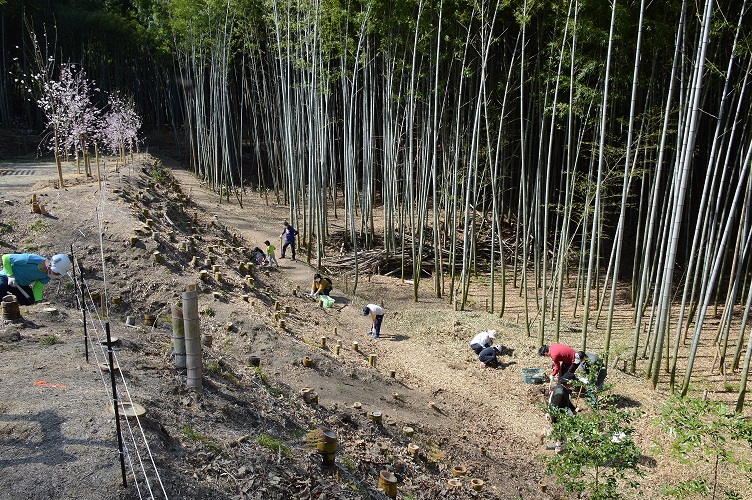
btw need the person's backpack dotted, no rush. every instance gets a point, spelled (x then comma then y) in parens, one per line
(331, 283)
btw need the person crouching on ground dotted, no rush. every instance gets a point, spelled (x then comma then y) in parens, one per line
(25, 275)
(562, 357)
(320, 286)
(482, 340)
(377, 316)
(489, 356)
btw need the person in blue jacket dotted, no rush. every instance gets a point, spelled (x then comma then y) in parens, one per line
(25, 274)
(288, 236)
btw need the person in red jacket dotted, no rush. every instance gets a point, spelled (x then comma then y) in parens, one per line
(563, 358)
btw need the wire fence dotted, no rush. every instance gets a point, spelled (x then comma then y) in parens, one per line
(136, 452)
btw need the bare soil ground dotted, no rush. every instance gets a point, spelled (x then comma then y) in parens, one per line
(248, 433)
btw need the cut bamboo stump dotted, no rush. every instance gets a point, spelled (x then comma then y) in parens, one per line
(388, 483)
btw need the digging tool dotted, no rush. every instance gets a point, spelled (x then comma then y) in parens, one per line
(18, 287)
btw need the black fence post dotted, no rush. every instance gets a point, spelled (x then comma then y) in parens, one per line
(82, 300)
(115, 404)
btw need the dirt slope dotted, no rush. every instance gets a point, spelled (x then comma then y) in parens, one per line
(57, 435)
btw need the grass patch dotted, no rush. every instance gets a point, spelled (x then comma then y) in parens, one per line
(261, 374)
(158, 173)
(348, 462)
(30, 246)
(38, 226)
(200, 438)
(274, 444)
(215, 368)
(51, 340)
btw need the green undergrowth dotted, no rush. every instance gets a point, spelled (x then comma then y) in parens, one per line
(51, 340)
(196, 436)
(273, 444)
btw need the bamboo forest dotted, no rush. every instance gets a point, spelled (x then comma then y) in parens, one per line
(540, 145)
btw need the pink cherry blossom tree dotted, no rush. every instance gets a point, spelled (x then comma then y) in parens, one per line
(119, 126)
(71, 115)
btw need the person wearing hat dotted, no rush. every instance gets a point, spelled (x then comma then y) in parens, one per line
(586, 362)
(377, 316)
(562, 356)
(25, 274)
(482, 340)
(489, 357)
(320, 286)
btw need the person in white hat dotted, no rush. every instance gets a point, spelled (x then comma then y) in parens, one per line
(25, 274)
(482, 340)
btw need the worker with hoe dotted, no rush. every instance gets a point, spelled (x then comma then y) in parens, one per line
(25, 275)
(288, 235)
(482, 340)
(562, 357)
(320, 286)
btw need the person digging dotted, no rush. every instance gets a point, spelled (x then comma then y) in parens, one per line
(25, 275)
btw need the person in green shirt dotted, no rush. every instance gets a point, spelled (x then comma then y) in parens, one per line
(270, 258)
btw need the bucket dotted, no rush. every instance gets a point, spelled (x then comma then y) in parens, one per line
(388, 483)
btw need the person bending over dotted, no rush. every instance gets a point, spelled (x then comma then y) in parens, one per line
(377, 316)
(562, 357)
(25, 275)
(482, 340)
